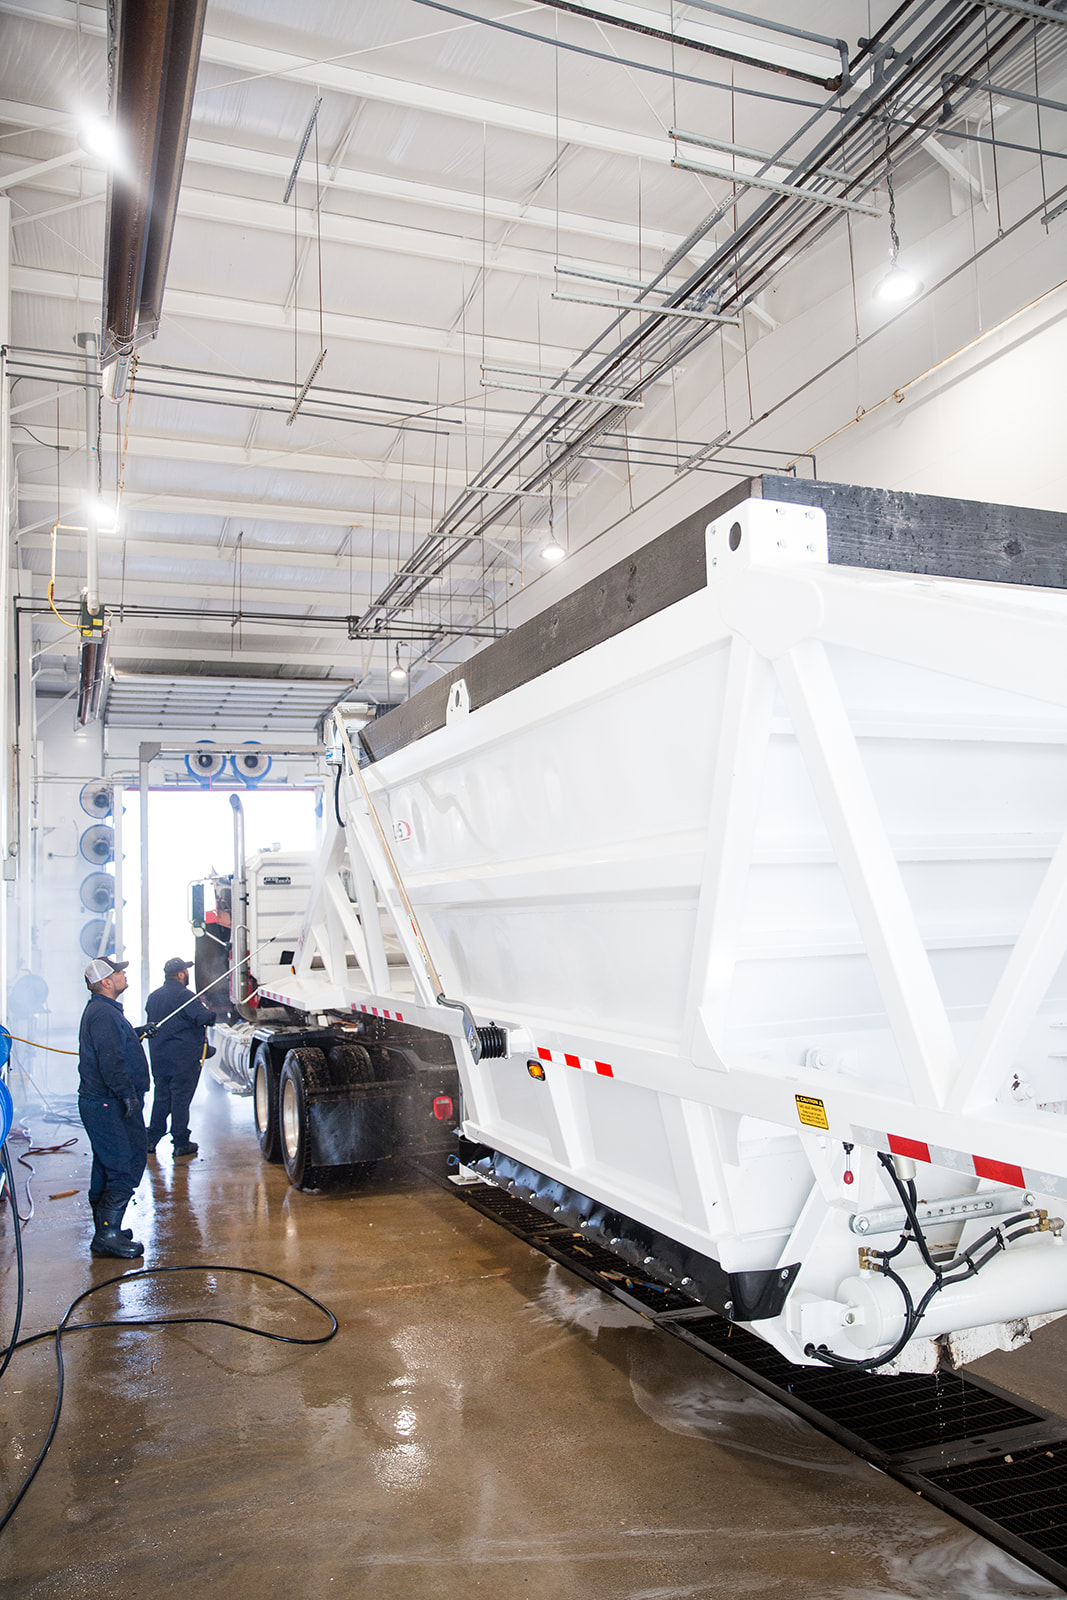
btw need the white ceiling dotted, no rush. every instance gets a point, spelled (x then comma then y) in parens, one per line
(454, 167)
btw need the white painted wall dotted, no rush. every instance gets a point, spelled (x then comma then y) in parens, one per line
(990, 426)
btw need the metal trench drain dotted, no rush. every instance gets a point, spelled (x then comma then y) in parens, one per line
(985, 1456)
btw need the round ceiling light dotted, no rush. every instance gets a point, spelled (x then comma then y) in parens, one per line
(98, 138)
(897, 286)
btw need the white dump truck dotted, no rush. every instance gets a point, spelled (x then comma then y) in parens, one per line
(726, 905)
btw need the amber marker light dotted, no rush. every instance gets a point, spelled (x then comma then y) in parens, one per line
(536, 1070)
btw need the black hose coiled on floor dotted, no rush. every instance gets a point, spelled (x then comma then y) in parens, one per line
(65, 1326)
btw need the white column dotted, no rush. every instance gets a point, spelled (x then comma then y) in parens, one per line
(146, 754)
(7, 692)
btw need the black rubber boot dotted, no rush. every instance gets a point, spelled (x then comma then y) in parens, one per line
(127, 1233)
(109, 1238)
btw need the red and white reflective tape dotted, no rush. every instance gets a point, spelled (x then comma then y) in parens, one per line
(1005, 1172)
(583, 1063)
(371, 1011)
(377, 1011)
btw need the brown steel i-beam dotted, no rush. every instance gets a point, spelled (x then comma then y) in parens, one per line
(156, 57)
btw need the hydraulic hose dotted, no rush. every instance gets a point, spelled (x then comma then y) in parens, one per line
(944, 1275)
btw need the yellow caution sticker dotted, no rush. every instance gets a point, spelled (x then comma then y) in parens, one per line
(812, 1112)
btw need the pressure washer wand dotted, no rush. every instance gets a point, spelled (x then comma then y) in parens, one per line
(238, 963)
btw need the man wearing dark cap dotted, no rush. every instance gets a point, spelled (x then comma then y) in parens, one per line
(176, 1024)
(112, 1083)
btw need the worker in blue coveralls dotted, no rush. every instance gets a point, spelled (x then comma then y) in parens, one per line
(112, 1083)
(176, 1024)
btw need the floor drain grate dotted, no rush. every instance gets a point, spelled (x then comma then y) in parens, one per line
(981, 1454)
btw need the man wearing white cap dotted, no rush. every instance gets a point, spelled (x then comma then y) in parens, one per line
(112, 1083)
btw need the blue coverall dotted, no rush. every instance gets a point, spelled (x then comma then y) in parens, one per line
(177, 1051)
(111, 1069)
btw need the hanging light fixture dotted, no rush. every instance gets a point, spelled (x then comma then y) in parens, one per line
(104, 514)
(398, 673)
(98, 137)
(553, 551)
(898, 285)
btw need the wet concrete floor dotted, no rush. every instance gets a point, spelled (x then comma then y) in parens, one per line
(482, 1423)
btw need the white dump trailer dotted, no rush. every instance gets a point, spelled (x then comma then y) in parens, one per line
(736, 887)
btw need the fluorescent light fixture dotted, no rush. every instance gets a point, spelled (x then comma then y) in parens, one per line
(97, 137)
(553, 552)
(897, 286)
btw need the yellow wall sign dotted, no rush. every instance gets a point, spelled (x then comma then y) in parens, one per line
(811, 1112)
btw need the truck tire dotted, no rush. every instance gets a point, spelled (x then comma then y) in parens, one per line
(303, 1073)
(350, 1063)
(265, 1104)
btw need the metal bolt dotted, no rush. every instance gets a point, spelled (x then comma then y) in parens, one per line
(784, 1275)
(649, 1260)
(615, 1241)
(849, 1318)
(728, 1308)
(863, 1224)
(686, 1282)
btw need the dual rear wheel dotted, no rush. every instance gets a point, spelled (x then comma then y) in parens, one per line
(284, 1104)
(265, 1076)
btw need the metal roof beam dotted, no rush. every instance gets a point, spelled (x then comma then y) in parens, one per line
(303, 565)
(167, 447)
(334, 654)
(352, 180)
(358, 84)
(383, 522)
(190, 588)
(265, 317)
